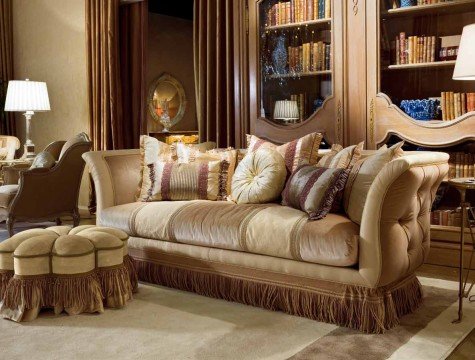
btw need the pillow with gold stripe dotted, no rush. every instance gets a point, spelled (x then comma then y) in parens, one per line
(295, 153)
(326, 159)
(314, 189)
(361, 178)
(180, 181)
(153, 150)
(189, 154)
(346, 158)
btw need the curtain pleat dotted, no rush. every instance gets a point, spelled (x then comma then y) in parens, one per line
(116, 52)
(7, 122)
(214, 69)
(133, 53)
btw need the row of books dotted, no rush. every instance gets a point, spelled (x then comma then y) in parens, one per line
(302, 104)
(461, 165)
(312, 56)
(414, 49)
(456, 104)
(446, 217)
(397, 3)
(295, 11)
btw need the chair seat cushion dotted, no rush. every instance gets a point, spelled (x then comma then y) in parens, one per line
(266, 229)
(7, 193)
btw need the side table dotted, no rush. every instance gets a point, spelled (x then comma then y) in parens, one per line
(4, 163)
(462, 185)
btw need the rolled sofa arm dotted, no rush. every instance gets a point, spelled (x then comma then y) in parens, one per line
(395, 228)
(116, 176)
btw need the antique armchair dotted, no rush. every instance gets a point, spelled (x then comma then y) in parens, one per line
(8, 146)
(45, 194)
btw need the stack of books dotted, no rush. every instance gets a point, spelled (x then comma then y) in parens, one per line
(461, 165)
(295, 11)
(308, 57)
(446, 217)
(414, 49)
(302, 104)
(456, 104)
(449, 47)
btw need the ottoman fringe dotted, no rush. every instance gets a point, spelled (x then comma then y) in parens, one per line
(115, 285)
(357, 307)
(77, 293)
(129, 263)
(28, 293)
(5, 277)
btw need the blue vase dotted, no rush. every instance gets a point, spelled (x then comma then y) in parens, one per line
(279, 56)
(407, 3)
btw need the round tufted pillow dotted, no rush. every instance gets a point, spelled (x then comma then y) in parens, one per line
(259, 177)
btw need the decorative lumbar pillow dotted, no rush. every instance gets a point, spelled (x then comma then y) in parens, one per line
(178, 181)
(43, 160)
(326, 159)
(314, 190)
(259, 177)
(295, 153)
(362, 176)
(189, 154)
(347, 157)
(152, 151)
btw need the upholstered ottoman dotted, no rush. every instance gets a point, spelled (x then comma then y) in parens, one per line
(74, 270)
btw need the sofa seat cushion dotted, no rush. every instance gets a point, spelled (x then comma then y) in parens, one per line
(7, 193)
(265, 229)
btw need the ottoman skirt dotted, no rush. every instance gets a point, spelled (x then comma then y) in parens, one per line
(63, 269)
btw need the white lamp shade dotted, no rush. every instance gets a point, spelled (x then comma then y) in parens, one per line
(286, 110)
(27, 96)
(465, 65)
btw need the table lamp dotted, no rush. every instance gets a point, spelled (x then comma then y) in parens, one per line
(286, 110)
(27, 96)
(465, 64)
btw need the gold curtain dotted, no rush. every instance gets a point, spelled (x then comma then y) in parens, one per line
(214, 70)
(7, 124)
(102, 34)
(133, 53)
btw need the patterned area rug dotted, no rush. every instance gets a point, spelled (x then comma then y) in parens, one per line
(170, 324)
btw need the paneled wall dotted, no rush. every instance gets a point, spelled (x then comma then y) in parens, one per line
(49, 45)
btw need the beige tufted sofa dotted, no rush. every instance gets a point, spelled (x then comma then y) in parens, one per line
(332, 270)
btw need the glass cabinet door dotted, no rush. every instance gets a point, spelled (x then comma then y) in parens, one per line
(419, 41)
(295, 59)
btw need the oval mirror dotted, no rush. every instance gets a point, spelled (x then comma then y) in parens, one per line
(167, 101)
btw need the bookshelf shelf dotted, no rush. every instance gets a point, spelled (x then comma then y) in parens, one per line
(434, 64)
(299, 75)
(326, 21)
(428, 9)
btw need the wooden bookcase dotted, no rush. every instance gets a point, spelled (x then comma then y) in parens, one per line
(268, 84)
(388, 83)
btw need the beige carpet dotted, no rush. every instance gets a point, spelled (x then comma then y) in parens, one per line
(163, 323)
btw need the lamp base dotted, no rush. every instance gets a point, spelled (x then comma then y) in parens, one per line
(28, 151)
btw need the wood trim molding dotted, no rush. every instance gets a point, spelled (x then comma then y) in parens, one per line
(355, 7)
(393, 121)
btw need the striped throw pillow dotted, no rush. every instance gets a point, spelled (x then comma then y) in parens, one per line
(326, 159)
(347, 157)
(295, 153)
(314, 189)
(179, 181)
